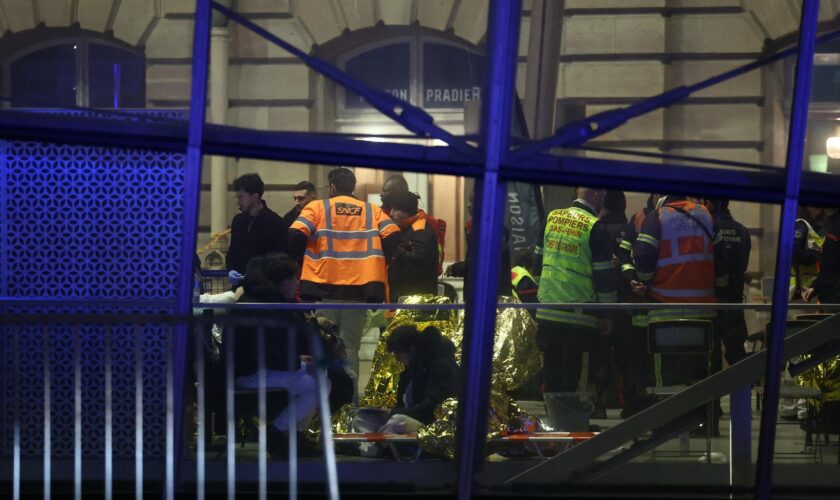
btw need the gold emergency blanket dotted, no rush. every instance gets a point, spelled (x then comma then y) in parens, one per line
(381, 389)
(825, 377)
(516, 358)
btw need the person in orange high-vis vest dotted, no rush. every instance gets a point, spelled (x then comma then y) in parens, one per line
(675, 256)
(343, 245)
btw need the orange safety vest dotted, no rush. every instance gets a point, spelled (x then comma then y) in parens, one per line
(345, 241)
(685, 270)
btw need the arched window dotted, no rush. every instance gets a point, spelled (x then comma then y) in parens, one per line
(61, 68)
(432, 69)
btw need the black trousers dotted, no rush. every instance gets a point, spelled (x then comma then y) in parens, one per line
(568, 350)
(629, 345)
(731, 331)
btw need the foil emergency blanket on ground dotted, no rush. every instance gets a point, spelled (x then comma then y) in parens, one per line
(516, 358)
(825, 377)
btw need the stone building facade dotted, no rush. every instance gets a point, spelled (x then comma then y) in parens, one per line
(606, 53)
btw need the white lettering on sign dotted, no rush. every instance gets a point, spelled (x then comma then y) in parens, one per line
(517, 222)
(453, 95)
(400, 93)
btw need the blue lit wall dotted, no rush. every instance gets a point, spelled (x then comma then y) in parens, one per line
(93, 223)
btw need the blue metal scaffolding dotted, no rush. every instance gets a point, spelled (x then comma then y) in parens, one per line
(492, 162)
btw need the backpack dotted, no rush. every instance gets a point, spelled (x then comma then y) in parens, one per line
(439, 227)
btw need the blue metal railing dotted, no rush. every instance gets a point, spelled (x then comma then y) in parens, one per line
(124, 392)
(494, 167)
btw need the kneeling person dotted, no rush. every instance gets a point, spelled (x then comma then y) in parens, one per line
(429, 378)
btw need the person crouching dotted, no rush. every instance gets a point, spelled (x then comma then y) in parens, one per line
(429, 378)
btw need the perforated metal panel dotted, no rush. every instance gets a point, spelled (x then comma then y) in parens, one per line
(94, 223)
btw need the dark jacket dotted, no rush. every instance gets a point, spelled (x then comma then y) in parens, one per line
(291, 215)
(735, 240)
(275, 348)
(460, 269)
(276, 339)
(622, 236)
(431, 378)
(253, 236)
(413, 266)
(247, 347)
(827, 284)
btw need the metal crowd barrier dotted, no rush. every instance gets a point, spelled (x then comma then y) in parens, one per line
(93, 470)
(117, 331)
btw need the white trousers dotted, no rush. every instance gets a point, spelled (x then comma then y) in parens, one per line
(302, 388)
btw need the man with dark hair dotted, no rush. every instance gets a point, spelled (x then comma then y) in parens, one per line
(396, 185)
(429, 378)
(343, 244)
(256, 230)
(304, 193)
(431, 373)
(342, 181)
(273, 278)
(413, 267)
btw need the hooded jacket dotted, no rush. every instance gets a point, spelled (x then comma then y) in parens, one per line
(431, 378)
(413, 267)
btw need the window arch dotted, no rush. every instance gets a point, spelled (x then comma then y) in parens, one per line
(70, 67)
(432, 69)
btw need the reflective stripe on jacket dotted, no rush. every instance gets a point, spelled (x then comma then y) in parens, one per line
(345, 241)
(802, 276)
(568, 271)
(685, 269)
(517, 275)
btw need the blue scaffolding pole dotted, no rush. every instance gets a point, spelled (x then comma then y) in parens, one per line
(492, 166)
(784, 257)
(189, 228)
(486, 242)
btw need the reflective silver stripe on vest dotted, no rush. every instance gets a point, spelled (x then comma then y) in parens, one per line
(369, 225)
(689, 257)
(328, 216)
(575, 317)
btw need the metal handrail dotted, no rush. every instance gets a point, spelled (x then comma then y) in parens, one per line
(567, 465)
(306, 306)
(17, 326)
